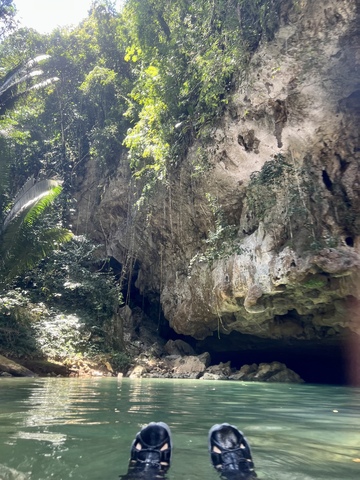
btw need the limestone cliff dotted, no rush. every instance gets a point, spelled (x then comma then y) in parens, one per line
(275, 253)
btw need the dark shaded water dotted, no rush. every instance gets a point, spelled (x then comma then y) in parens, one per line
(82, 428)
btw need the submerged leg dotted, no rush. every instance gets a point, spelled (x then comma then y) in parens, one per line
(230, 452)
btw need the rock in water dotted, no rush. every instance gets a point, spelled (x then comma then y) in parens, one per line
(9, 366)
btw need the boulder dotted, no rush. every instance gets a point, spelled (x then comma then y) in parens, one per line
(192, 366)
(213, 376)
(137, 372)
(266, 370)
(9, 366)
(178, 347)
(276, 372)
(223, 370)
(206, 358)
(286, 376)
(246, 373)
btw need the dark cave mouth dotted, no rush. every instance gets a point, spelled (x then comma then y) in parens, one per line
(312, 366)
(320, 362)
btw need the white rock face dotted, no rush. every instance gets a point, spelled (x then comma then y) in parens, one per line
(284, 262)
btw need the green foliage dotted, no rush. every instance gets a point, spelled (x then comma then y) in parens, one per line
(81, 117)
(69, 277)
(315, 283)
(52, 132)
(266, 186)
(20, 80)
(222, 241)
(283, 192)
(151, 79)
(24, 239)
(186, 58)
(32, 199)
(7, 14)
(120, 361)
(16, 336)
(62, 307)
(60, 336)
(21, 246)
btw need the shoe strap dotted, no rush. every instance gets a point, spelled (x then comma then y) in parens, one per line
(233, 458)
(152, 456)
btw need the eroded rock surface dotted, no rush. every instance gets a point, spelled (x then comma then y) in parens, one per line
(283, 262)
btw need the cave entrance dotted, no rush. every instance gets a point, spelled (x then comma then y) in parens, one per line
(312, 365)
(316, 361)
(322, 361)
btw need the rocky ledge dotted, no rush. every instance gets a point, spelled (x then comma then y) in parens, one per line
(182, 365)
(152, 358)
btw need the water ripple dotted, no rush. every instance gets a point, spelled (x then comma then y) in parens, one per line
(83, 428)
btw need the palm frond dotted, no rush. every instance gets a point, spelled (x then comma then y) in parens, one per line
(29, 196)
(45, 83)
(30, 182)
(23, 242)
(15, 84)
(15, 76)
(38, 208)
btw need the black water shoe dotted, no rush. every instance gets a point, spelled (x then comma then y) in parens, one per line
(151, 449)
(230, 452)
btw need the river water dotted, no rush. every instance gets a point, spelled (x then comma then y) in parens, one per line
(66, 428)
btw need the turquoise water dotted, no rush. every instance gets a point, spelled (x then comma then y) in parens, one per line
(82, 428)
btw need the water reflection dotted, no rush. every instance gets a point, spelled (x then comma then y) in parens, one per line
(62, 401)
(83, 428)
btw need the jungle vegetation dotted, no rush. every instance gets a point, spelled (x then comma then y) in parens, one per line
(139, 85)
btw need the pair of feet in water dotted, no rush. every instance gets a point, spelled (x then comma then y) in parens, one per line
(229, 452)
